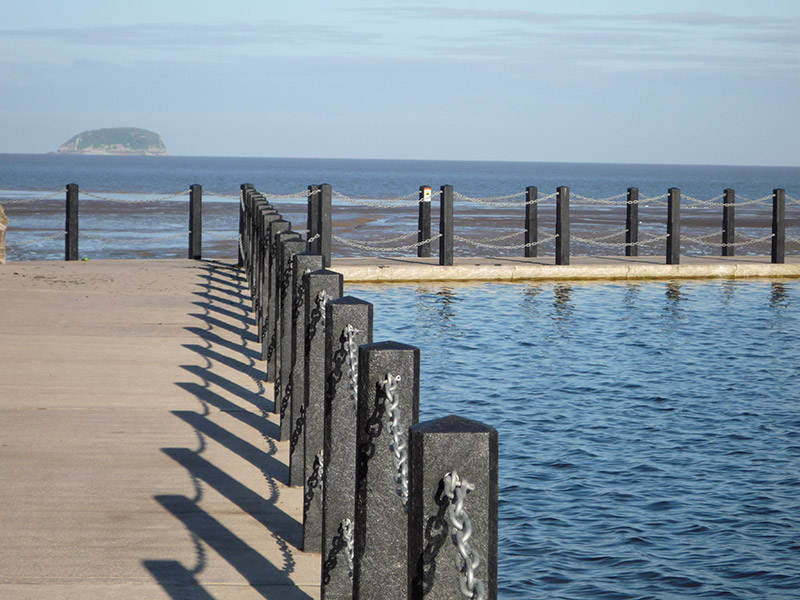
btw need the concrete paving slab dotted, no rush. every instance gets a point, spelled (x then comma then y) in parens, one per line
(138, 452)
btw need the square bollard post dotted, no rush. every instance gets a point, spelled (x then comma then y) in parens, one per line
(778, 226)
(388, 404)
(446, 226)
(312, 221)
(632, 223)
(348, 324)
(268, 349)
(280, 289)
(259, 205)
(674, 226)
(531, 221)
(268, 217)
(325, 227)
(303, 263)
(728, 223)
(562, 226)
(242, 188)
(467, 451)
(320, 288)
(424, 222)
(195, 221)
(283, 383)
(71, 223)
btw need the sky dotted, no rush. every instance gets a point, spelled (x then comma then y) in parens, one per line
(612, 81)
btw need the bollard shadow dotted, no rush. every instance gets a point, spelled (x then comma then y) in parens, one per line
(222, 393)
(436, 535)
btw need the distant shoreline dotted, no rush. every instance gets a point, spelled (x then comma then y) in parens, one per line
(95, 152)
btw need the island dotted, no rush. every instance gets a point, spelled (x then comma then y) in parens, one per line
(115, 140)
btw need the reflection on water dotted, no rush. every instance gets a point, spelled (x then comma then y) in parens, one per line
(636, 459)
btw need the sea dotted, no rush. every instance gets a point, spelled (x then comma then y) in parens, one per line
(649, 432)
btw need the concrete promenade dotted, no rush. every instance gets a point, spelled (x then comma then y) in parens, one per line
(138, 452)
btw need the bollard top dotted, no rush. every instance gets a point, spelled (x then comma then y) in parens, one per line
(452, 424)
(349, 300)
(388, 345)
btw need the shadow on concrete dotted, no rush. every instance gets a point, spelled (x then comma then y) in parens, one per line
(224, 335)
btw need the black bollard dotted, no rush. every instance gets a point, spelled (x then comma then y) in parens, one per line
(269, 347)
(562, 226)
(302, 263)
(71, 223)
(446, 226)
(195, 221)
(674, 227)
(632, 223)
(531, 221)
(268, 218)
(424, 222)
(312, 220)
(348, 324)
(728, 223)
(448, 446)
(388, 403)
(243, 187)
(283, 383)
(325, 231)
(320, 288)
(778, 226)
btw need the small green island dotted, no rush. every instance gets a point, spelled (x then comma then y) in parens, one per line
(115, 140)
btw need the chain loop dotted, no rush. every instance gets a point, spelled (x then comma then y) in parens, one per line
(360, 246)
(398, 444)
(347, 528)
(352, 358)
(467, 559)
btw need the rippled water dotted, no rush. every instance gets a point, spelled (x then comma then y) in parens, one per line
(649, 432)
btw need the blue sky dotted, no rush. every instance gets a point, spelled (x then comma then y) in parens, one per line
(696, 82)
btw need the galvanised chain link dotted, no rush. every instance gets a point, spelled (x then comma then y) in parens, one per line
(347, 528)
(99, 238)
(495, 246)
(408, 200)
(219, 195)
(793, 240)
(654, 200)
(610, 200)
(790, 200)
(137, 201)
(601, 240)
(381, 248)
(650, 240)
(401, 237)
(505, 237)
(692, 202)
(742, 201)
(497, 201)
(766, 238)
(25, 200)
(220, 235)
(55, 236)
(319, 468)
(313, 238)
(302, 194)
(351, 348)
(398, 444)
(321, 302)
(703, 239)
(467, 559)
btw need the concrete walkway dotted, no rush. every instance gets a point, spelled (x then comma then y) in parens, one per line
(384, 270)
(138, 453)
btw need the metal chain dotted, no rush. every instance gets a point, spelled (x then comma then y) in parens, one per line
(138, 201)
(347, 528)
(790, 200)
(407, 200)
(319, 468)
(688, 201)
(321, 302)
(381, 248)
(702, 239)
(505, 237)
(90, 236)
(219, 195)
(352, 358)
(610, 200)
(313, 238)
(495, 246)
(398, 444)
(303, 194)
(25, 200)
(55, 236)
(467, 559)
(497, 201)
(766, 238)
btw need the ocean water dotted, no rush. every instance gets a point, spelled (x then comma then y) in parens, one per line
(117, 225)
(649, 432)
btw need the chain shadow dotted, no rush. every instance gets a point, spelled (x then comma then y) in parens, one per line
(220, 350)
